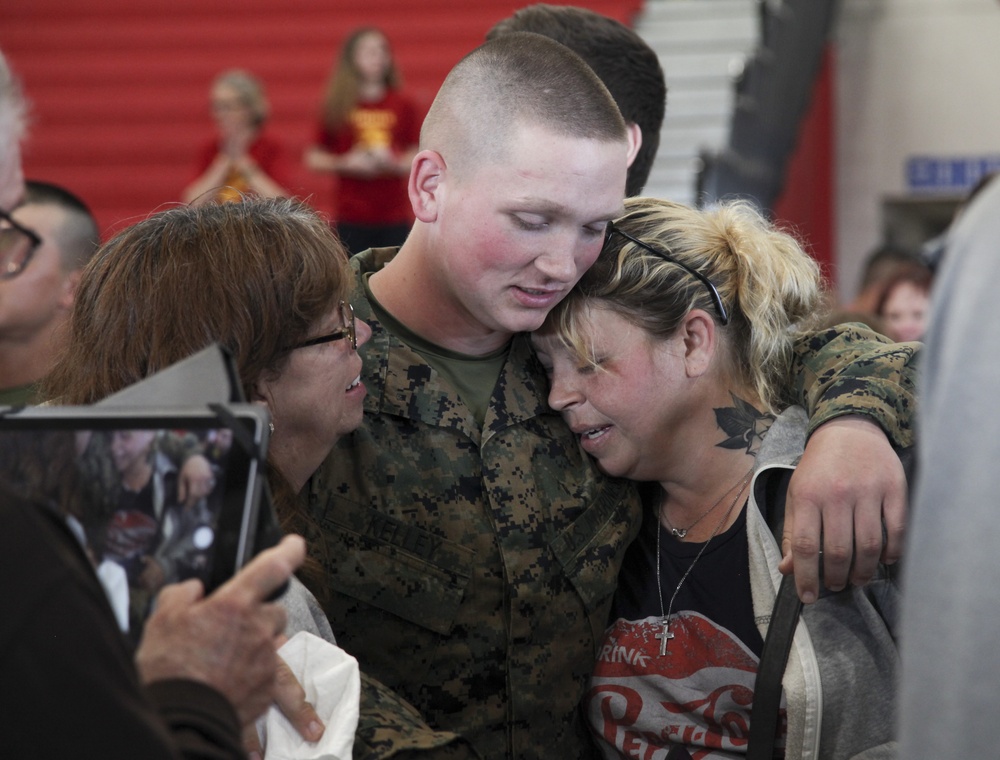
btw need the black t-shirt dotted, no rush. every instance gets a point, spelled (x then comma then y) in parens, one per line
(718, 586)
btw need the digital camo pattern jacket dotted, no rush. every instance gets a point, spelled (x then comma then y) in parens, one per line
(471, 570)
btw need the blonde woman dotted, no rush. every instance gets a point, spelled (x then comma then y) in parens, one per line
(242, 158)
(669, 361)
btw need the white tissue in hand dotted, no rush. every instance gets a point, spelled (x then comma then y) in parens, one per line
(332, 685)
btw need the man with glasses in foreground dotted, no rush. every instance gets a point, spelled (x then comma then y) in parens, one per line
(470, 546)
(44, 245)
(17, 245)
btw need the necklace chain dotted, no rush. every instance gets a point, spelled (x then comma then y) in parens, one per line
(665, 635)
(682, 532)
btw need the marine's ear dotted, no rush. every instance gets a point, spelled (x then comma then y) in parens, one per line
(426, 174)
(634, 142)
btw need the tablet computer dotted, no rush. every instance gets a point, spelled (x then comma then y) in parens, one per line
(155, 496)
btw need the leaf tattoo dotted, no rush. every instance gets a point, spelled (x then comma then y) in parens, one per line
(744, 425)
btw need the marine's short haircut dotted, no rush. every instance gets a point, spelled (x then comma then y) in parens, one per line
(629, 68)
(517, 79)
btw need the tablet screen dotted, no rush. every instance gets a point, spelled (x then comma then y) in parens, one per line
(152, 501)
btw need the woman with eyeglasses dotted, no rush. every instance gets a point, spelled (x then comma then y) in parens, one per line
(265, 278)
(669, 361)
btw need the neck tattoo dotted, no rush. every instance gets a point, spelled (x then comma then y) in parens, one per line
(665, 635)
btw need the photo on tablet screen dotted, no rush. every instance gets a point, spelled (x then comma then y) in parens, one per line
(150, 504)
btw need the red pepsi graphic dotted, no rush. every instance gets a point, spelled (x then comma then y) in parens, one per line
(699, 694)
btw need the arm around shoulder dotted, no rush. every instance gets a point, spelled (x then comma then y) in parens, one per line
(850, 369)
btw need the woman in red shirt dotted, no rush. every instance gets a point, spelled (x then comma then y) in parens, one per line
(368, 135)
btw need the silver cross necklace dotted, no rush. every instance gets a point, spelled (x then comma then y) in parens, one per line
(665, 635)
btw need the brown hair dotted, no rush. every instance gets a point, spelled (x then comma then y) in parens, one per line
(41, 466)
(254, 276)
(918, 275)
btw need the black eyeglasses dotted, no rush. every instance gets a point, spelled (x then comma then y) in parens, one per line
(347, 331)
(716, 298)
(17, 246)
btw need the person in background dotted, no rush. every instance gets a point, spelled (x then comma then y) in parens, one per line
(905, 302)
(367, 137)
(881, 265)
(59, 234)
(242, 159)
(668, 360)
(623, 61)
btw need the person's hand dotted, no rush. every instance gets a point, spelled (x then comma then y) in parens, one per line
(227, 640)
(237, 144)
(195, 480)
(318, 160)
(290, 699)
(848, 484)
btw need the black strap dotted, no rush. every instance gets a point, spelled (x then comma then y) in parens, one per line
(773, 659)
(678, 752)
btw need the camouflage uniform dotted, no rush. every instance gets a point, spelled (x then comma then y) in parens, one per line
(470, 569)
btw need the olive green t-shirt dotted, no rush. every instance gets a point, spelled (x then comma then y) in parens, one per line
(474, 377)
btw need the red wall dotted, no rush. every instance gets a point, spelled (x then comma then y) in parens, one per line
(807, 204)
(120, 87)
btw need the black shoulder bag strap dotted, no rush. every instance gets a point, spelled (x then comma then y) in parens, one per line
(778, 641)
(773, 659)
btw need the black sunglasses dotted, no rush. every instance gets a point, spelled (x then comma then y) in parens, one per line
(17, 246)
(347, 331)
(716, 298)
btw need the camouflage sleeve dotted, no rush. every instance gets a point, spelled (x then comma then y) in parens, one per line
(389, 726)
(849, 369)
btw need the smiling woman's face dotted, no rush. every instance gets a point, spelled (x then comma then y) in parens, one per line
(317, 398)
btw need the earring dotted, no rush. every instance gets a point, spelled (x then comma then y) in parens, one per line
(270, 426)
